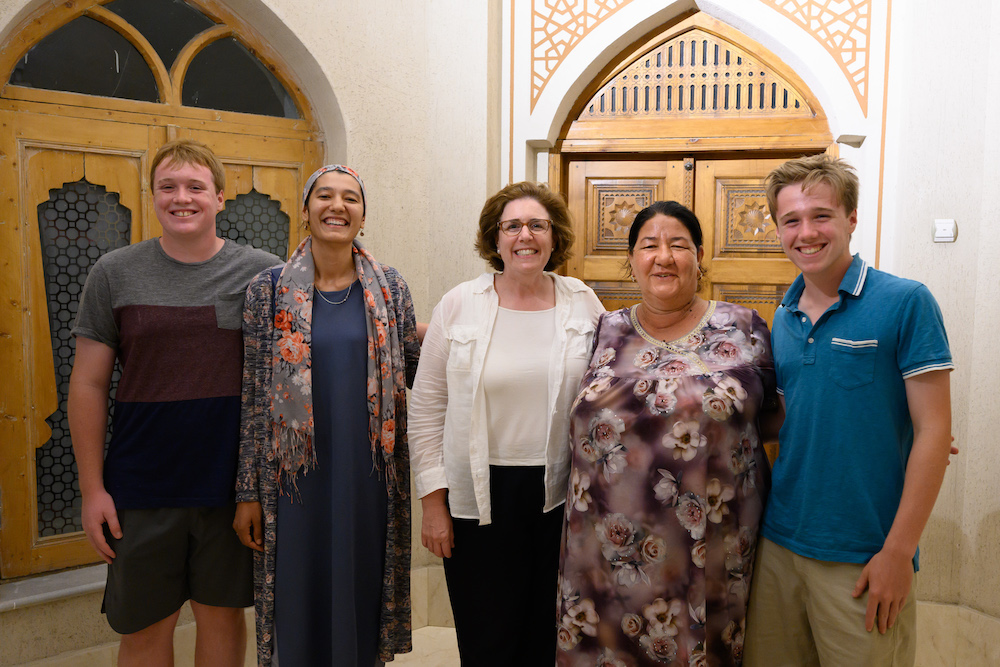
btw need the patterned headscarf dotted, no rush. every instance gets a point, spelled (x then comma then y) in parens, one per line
(291, 384)
(327, 169)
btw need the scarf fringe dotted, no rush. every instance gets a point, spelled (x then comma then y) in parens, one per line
(294, 452)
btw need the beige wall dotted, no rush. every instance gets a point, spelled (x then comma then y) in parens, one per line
(942, 161)
(410, 80)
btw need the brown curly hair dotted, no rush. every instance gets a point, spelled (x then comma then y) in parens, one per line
(562, 225)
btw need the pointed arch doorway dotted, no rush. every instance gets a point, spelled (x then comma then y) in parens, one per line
(91, 90)
(698, 113)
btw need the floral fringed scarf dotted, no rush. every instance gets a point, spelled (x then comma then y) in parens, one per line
(291, 384)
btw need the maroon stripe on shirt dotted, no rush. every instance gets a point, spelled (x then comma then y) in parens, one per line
(177, 353)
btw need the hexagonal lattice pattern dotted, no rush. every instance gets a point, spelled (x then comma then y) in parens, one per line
(79, 223)
(255, 219)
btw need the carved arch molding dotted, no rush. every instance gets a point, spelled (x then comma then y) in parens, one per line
(842, 27)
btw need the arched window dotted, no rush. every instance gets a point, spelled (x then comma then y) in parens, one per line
(92, 91)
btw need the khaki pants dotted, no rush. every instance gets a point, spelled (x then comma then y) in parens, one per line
(801, 614)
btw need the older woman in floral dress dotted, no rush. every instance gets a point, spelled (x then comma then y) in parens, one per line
(668, 475)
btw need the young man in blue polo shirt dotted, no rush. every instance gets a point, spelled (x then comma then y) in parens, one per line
(862, 364)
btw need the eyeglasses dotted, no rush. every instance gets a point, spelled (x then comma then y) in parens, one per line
(535, 226)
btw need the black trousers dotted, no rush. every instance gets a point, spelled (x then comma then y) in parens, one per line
(502, 577)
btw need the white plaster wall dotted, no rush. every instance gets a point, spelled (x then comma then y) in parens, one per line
(942, 158)
(411, 82)
(402, 92)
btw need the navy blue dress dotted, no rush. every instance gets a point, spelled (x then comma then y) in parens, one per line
(331, 539)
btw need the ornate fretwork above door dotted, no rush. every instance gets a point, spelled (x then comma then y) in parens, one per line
(697, 74)
(698, 86)
(843, 27)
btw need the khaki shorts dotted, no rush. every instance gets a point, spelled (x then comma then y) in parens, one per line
(801, 614)
(170, 555)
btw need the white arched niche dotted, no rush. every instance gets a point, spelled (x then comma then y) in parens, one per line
(859, 136)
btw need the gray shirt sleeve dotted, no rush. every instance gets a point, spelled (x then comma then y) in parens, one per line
(95, 318)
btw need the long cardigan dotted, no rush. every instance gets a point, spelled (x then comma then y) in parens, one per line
(257, 473)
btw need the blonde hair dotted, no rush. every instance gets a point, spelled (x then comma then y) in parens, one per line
(809, 171)
(189, 151)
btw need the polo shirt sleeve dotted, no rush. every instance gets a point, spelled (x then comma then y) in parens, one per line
(95, 318)
(923, 342)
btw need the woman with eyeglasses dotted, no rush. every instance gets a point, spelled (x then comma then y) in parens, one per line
(500, 366)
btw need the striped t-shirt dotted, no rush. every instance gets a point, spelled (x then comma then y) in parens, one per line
(177, 330)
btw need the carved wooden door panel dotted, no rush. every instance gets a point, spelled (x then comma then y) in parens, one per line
(74, 196)
(72, 202)
(743, 256)
(604, 198)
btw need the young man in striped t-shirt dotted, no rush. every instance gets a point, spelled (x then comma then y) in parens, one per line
(159, 507)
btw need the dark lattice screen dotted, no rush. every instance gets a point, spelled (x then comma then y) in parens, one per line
(79, 223)
(255, 219)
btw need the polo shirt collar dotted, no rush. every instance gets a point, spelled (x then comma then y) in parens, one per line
(852, 283)
(854, 279)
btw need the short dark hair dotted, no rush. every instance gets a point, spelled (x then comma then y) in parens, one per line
(562, 225)
(809, 171)
(671, 209)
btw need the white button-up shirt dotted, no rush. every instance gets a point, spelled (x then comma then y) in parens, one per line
(447, 424)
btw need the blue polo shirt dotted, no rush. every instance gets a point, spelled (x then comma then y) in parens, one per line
(847, 434)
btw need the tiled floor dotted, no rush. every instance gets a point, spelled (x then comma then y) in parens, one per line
(432, 647)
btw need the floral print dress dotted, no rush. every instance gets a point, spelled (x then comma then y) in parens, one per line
(667, 487)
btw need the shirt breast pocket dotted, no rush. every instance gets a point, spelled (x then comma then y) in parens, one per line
(229, 310)
(461, 345)
(853, 362)
(579, 337)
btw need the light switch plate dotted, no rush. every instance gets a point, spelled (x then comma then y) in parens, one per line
(945, 231)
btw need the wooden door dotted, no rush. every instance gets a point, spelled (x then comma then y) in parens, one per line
(743, 257)
(77, 196)
(264, 178)
(75, 200)
(604, 198)
(73, 178)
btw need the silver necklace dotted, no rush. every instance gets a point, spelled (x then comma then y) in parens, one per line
(335, 303)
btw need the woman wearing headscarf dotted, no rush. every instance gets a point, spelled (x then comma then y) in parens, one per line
(330, 346)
